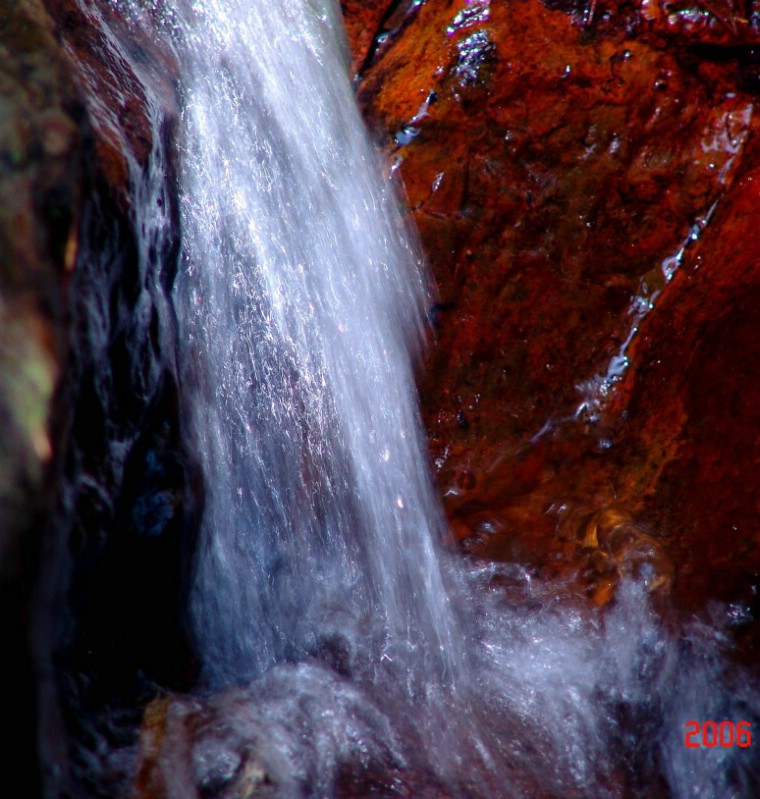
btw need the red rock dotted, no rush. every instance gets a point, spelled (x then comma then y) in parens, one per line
(362, 19)
(113, 71)
(584, 186)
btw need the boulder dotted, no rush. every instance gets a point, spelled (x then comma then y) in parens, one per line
(583, 179)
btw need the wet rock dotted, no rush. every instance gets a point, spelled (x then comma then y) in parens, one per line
(584, 187)
(608, 546)
(115, 60)
(688, 411)
(39, 193)
(90, 460)
(363, 22)
(300, 731)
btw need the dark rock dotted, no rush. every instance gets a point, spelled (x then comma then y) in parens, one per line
(40, 179)
(94, 480)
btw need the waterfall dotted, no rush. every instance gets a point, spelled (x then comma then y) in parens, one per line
(301, 302)
(320, 586)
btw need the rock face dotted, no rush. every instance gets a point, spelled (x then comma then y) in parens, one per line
(94, 480)
(584, 179)
(39, 190)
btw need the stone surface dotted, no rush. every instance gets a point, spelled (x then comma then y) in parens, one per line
(583, 179)
(363, 22)
(121, 532)
(329, 740)
(125, 78)
(39, 194)
(94, 481)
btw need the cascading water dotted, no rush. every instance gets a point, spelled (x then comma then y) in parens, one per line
(301, 305)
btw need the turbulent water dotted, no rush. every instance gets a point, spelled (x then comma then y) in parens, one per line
(319, 580)
(301, 307)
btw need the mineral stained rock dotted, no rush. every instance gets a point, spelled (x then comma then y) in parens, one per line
(584, 179)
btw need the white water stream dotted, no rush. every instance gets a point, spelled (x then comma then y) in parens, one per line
(302, 300)
(301, 304)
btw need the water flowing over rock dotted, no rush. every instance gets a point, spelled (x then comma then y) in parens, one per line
(94, 475)
(301, 308)
(582, 175)
(225, 569)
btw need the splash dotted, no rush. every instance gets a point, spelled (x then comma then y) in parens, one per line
(320, 589)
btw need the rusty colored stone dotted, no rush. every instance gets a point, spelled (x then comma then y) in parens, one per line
(583, 179)
(690, 405)
(362, 20)
(112, 71)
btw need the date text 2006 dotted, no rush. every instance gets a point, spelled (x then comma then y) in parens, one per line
(708, 734)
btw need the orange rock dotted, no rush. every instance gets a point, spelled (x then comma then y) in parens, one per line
(113, 85)
(584, 182)
(363, 19)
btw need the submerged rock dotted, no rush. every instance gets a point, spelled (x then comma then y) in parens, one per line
(300, 731)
